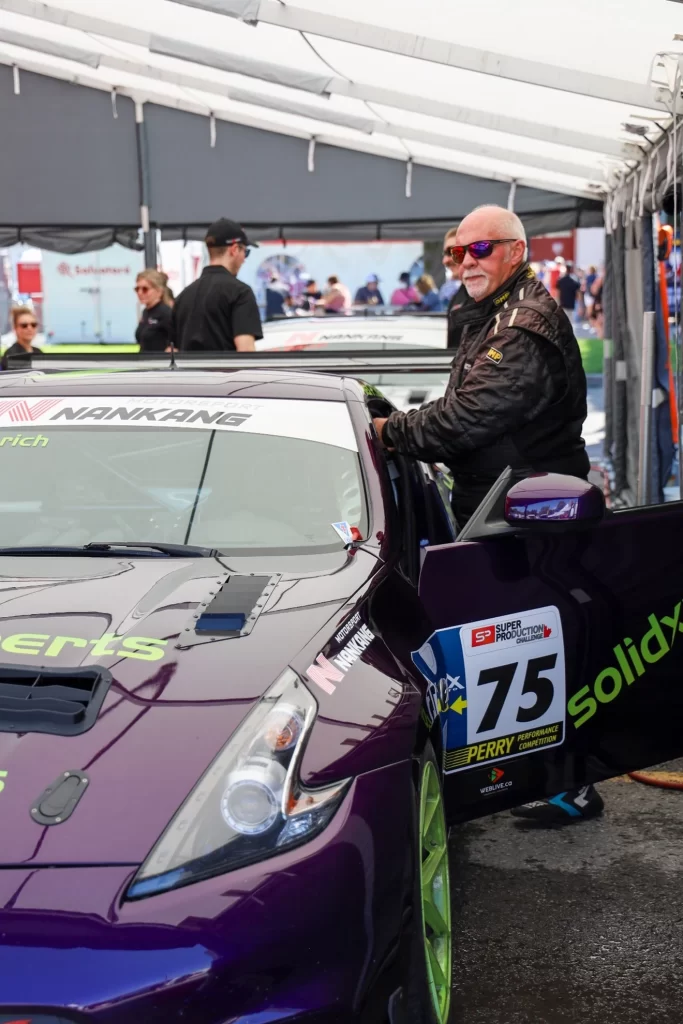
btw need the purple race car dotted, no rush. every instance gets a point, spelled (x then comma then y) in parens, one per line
(248, 676)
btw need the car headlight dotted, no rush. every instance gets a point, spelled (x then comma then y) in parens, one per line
(250, 804)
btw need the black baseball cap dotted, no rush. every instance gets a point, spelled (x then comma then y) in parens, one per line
(223, 232)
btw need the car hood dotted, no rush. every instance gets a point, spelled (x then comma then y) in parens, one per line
(176, 686)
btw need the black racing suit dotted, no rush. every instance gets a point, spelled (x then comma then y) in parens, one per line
(516, 395)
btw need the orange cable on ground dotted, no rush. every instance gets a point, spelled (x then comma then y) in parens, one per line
(663, 780)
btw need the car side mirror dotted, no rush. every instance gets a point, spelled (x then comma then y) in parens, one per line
(552, 500)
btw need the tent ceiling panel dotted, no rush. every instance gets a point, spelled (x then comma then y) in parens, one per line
(342, 131)
(377, 185)
(132, 34)
(55, 173)
(49, 163)
(369, 84)
(269, 181)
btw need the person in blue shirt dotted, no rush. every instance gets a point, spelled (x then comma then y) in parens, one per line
(369, 294)
(277, 294)
(431, 301)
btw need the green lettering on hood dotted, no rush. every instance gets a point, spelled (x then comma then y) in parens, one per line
(143, 648)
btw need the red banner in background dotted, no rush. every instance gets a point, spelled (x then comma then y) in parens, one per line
(549, 247)
(29, 278)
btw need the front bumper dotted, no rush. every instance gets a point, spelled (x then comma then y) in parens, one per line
(312, 934)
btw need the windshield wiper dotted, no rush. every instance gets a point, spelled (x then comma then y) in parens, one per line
(145, 548)
(175, 550)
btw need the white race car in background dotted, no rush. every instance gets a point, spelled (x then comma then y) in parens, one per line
(366, 334)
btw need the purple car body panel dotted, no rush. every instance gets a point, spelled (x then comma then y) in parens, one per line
(318, 932)
(190, 700)
(221, 949)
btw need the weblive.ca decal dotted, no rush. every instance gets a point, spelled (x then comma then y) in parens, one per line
(498, 686)
(632, 660)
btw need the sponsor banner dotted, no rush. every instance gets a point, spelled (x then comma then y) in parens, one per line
(498, 686)
(88, 298)
(326, 422)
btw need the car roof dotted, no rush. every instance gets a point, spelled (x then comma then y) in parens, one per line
(375, 322)
(243, 384)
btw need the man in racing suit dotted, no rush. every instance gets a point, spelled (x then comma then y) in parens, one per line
(516, 395)
(517, 391)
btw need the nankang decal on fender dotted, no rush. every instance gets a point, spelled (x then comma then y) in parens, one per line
(498, 686)
(327, 672)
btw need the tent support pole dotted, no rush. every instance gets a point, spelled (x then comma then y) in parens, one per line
(644, 485)
(149, 236)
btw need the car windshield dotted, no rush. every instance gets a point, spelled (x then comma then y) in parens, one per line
(258, 477)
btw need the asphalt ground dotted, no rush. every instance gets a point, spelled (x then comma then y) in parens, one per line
(576, 925)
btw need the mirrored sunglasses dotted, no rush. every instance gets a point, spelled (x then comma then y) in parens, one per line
(478, 250)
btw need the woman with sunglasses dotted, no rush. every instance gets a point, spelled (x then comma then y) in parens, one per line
(154, 330)
(25, 329)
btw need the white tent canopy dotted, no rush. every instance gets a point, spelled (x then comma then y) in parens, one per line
(528, 94)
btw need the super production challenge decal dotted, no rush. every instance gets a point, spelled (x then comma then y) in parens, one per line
(498, 686)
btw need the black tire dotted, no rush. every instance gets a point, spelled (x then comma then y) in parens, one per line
(419, 1004)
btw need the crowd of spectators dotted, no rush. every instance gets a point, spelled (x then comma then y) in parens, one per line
(578, 291)
(335, 298)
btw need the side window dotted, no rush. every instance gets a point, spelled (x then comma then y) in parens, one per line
(402, 475)
(437, 524)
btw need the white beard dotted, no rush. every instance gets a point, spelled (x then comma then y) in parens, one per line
(476, 286)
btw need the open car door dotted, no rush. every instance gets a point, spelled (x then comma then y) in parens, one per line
(557, 653)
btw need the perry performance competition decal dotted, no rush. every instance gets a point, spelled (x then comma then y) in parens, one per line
(344, 651)
(326, 422)
(498, 686)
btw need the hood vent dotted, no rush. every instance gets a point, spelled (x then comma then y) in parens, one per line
(232, 611)
(238, 602)
(64, 702)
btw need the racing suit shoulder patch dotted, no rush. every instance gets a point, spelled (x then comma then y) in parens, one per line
(495, 355)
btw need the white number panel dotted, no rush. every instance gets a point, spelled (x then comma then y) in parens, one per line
(498, 685)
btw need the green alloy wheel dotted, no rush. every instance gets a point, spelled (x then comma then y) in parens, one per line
(436, 892)
(428, 985)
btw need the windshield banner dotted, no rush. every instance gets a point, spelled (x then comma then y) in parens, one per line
(325, 422)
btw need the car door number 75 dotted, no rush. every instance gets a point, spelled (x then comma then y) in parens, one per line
(534, 682)
(498, 685)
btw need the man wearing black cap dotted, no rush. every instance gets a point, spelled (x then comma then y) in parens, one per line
(217, 312)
